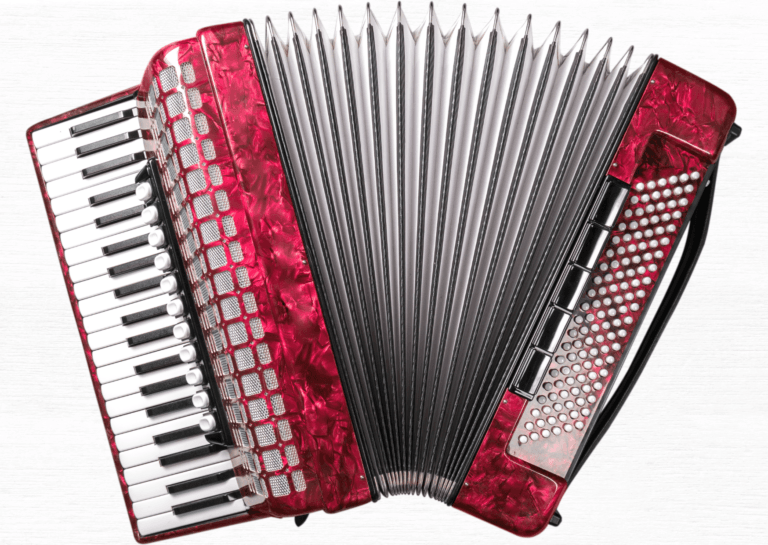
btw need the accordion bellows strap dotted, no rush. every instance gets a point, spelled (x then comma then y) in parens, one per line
(311, 273)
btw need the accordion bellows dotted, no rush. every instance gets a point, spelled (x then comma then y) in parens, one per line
(342, 266)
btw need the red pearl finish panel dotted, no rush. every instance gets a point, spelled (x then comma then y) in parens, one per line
(677, 103)
(316, 399)
(678, 129)
(505, 491)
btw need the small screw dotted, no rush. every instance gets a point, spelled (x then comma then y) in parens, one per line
(653, 81)
(615, 164)
(505, 401)
(362, 477)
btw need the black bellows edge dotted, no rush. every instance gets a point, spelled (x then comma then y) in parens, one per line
(429, 293)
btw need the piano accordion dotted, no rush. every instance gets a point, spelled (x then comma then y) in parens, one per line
(311, 273)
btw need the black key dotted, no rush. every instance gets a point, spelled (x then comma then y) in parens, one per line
(163, 385)
(221, 477)
(156, 365)
(109, 196)
(170, 407)
(117, 217)
(131, 266)
(191, 454)
(142, 315)
(611, 201)
(554, 327)
(205, 503)
(107, 143)
(177, 435)
(150, 336)
(114, 164)
(123, 245)
(144, 285)
(101, 122)
(570, 290)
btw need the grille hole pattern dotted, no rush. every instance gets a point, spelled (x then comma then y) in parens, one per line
(201, 123)
(249, 301)
(189, 155)
(252, 386)
(188, 73)
(236, 251)
(182, 130)
(225, 363)
(214, 173)
(257, 329)
(284, 427)
(168, 79)
(258, 408)
(292, 455)
(277, 404)
(244, 359)
(217, 258)
(242, 277)
(237, 334)
(598, 332)
(195, 102)
(230, 308)
(262, 350)
(270, 379)
(222, 200)
(210, 231)
(252, 462)
(279, 485)
(228, 222)
(208, 151)
(175, 104)
(196, 181)
(223, 281)
(265, 435)
(298, 480)
(203, 206)
(272, 460)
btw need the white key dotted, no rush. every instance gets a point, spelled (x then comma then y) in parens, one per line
(105, 283)
(75, 182)
(153, 489)
(137, 402)
(165, 503)
(124, 369)
(86, 216)
(75, 165)
(145, 436)
(153, 470)
(98, 267)
(93, 250)
(91, 233)
(131, 385)
(169, 521)
(139, 420)
(107, 301)
(66, 148)
(60, 131)
(112, 318)
(150, 453)
(79, 199)
(121, 333)
(119, 352)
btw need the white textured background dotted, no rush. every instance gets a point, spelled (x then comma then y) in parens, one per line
(685, 461)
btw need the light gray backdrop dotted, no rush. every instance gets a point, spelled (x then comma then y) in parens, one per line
(685, 461)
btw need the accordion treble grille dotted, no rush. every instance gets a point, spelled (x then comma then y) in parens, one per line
(219, 267)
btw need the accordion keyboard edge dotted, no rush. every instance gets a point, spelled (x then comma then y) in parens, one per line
(197, 290)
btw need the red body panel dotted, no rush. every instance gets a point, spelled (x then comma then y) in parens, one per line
(308, 366)
(680, 126)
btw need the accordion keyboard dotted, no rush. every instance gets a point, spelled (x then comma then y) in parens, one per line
(155, 396)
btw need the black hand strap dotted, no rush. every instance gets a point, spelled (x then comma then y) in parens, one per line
(697, 235)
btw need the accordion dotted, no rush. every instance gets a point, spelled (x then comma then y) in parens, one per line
(312, 272)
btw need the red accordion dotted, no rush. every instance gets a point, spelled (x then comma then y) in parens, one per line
(310, 274)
